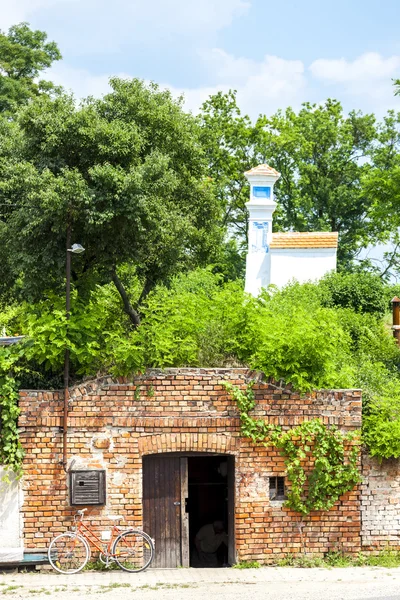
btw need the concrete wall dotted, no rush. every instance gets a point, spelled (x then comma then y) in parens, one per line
(301, 264)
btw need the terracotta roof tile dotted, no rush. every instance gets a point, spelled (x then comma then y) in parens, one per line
(263, 170)
(314, 239)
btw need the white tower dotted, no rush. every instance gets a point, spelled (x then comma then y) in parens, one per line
(261, 207)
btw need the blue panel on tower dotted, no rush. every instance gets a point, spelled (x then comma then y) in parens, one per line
(261, 192)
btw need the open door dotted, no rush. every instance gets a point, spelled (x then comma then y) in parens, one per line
(180, 495)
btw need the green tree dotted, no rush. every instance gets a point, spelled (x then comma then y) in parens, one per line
(320, 154)
(24, 54)
(230, 141)
(126, 173)
(381, 183)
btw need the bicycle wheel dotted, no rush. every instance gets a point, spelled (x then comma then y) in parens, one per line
(68, 553)
(133, 551)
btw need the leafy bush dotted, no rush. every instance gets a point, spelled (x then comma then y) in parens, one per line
(363, 292)
(296, 340)
(324, 335)
(193, 322)
(381, 410)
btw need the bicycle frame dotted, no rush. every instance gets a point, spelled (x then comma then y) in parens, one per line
(94, 540)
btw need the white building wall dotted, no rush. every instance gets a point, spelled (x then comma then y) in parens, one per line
(257, 272)
(11, 547)
(305, 264)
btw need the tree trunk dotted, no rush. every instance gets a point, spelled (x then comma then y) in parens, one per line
(130, 311)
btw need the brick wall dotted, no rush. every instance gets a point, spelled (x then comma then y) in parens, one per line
(113, 425)
(380, 504)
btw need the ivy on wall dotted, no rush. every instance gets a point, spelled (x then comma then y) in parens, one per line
(11, 451)
(321, 461)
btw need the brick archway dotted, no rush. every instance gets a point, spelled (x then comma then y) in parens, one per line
(189, 442)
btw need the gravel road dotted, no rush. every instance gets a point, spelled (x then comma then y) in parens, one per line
(271, 583)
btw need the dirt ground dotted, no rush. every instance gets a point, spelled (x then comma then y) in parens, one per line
(205, 584)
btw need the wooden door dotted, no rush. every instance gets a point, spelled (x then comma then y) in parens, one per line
(164, 515)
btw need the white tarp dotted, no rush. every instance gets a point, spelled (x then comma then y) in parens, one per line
(11, 547)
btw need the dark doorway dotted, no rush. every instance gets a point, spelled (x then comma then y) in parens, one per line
(182, 493)
(208, 498)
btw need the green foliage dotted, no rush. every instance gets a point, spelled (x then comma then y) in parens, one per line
(86, 335)
(9, 319)
(98, 565)
(335, 558)
(381, 418)
(192, 322)
(11, 452)
(386, 558)
(363, 292)
(302, 561)
(247, 564)
(296, 340)
(126, 173)
(229, 140)
(335, 469)
(295, 334)
(326, 184)
(24, 54)
(333, 455)
(317, 151)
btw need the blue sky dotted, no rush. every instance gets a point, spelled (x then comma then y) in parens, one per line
(274, 53)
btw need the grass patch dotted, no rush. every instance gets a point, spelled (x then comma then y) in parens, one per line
(97, 565)
(10, 588)
(335, 559)
(113, 586)
(247, 564)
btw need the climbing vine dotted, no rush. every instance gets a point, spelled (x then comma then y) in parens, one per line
(11, 451)
(330, 455)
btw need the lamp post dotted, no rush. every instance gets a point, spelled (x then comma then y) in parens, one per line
(75, 249)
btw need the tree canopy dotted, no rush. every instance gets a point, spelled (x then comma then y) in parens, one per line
(126, 174)
(321, 154)
(24, 54)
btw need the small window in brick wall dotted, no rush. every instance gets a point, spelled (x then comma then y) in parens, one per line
(87, 487)
(277, 488)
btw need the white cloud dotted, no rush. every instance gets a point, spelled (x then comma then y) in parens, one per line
(79, 81)
(365, 68)
(267, 85)
(101, 25)
(15, 11)
(370, 76)
(184, 15)
(262, 87)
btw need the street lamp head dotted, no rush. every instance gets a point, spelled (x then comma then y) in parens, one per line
(76, 249)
